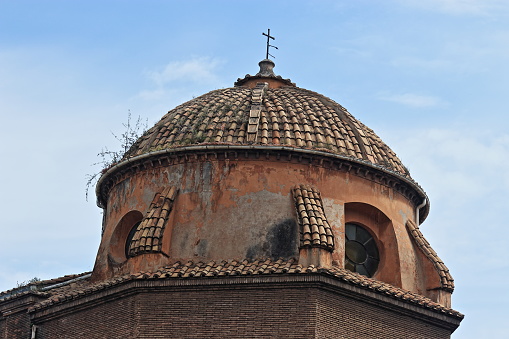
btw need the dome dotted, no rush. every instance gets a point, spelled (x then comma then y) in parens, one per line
(268, 112)
(265, 169)
(286, 116)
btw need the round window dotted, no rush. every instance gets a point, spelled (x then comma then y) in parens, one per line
(361, 253)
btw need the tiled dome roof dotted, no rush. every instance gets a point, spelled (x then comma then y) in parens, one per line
(282, 115)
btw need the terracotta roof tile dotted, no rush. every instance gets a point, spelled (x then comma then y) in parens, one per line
(40, 288)
(289, 116)
(207, 270)
(150, 230)
(315, 230)
(445, 277)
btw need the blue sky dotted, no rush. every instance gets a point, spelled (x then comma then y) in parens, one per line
(429, 76)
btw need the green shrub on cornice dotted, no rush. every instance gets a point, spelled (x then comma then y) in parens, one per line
(108, 158)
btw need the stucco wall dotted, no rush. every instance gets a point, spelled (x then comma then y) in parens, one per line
(235, 209)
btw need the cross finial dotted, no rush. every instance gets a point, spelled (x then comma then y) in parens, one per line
(268, 43)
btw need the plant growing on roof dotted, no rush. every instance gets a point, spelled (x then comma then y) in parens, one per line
(407, 170)
(227, 108)
(386, 163)
(198, 137)
(132, 132)
(200, 118)
(27, 282)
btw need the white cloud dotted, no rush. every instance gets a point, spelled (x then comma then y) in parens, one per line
(464, 172)
(462, 164)
(412, 99)
(181, 80)
(155, 94)
(475, 7)
(199, 70)
(418, 62)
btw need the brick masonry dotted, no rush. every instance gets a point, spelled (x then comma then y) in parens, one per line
(339, 317)
(106, 320)
(266, 310)
(15, 326)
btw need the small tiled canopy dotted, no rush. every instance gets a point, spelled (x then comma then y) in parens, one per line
(314, 228)
(149, 232)
(286, 116)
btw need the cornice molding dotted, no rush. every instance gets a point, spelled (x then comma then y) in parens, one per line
(167, 157)
(318, 280)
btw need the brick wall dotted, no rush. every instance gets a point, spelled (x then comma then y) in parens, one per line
(342, 317)
(273, 313)
(236, 312)
(15, 326)
(231, 313)
(114, 319)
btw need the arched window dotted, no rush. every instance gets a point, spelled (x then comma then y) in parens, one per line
(361, 252)
(130, 237)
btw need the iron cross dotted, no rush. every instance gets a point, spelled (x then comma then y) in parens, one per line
(268, 43)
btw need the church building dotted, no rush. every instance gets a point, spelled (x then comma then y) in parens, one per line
(263, 210)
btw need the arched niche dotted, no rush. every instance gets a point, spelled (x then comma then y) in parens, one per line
(380, 226)
(120, 235)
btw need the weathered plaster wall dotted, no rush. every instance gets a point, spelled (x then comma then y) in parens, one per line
(235, 209)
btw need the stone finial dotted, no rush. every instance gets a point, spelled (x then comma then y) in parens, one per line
(266, 68)
(266, 74)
